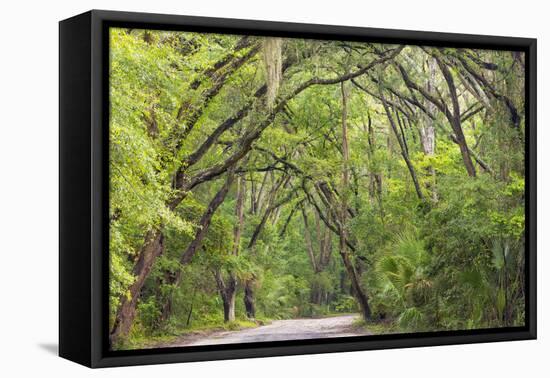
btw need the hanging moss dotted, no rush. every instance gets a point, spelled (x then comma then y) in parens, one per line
(273, 48)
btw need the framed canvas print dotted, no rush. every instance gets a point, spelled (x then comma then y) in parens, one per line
(233, 188)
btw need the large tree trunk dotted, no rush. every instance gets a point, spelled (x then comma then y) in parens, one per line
(358, 291)
(229, 307)
(126, 311)
(127, 308)
(227, 291)
(151, 248)
(317, 293)
(249, 299)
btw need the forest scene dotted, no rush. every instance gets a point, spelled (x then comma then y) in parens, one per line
(266, 188)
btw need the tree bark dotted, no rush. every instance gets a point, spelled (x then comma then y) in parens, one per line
(206, 218)
(359, 293)
(427, 130)
(453, 116)
(249, 299)
(227, 289)
(454, 119)
(151, 250)
(127, 308)
(404, 152)
(273, 60)
(189, 114)
(229, 307)
(239, 214)
(375, 178)
(204, 225)
(309, 243)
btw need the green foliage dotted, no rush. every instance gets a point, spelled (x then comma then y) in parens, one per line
(452, 257)
(345, 304)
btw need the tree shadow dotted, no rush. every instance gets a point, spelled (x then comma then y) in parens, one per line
(51, 348)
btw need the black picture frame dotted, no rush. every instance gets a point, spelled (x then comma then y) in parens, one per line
(83, 195)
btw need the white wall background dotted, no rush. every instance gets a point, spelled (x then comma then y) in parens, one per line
(29, 186)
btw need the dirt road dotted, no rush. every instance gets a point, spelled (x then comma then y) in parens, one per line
(293, 329)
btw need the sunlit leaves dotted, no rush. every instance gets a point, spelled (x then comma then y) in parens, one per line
(452, 260)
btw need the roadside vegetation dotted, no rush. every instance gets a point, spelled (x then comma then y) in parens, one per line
(255, 179)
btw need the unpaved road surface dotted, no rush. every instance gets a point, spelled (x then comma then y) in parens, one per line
(293, 329)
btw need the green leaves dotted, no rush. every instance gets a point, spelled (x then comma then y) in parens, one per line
(452, 261)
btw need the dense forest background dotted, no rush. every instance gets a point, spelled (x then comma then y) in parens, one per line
(255, 178)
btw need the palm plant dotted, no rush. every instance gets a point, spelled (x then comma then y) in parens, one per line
(400, 274)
